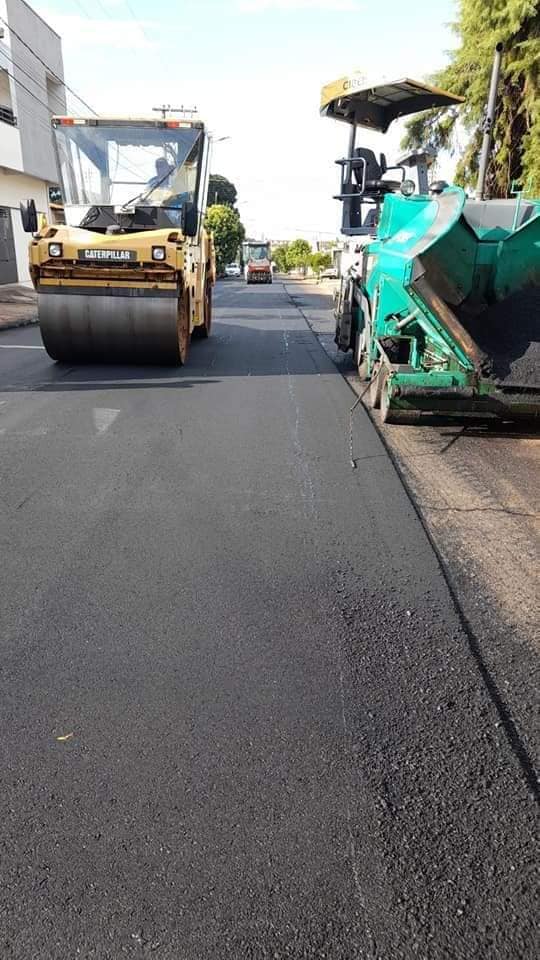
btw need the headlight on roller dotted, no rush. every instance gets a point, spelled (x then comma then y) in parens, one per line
(158, 253)
(55, 249)
(408, 188)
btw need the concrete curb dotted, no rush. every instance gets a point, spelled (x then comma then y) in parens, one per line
(12, 324)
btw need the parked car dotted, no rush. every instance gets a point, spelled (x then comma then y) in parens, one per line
(233, 270)
(330, 273)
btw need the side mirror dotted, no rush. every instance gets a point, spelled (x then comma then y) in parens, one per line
(29, 216)
(189, 222)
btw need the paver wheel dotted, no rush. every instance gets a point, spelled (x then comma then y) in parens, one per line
(395, 415)
(375, 387)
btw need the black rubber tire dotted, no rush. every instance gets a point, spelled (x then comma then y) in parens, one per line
(360, 359)
(203, 332)
(183, 325)
(386, 411)
(374, 393)
(363, 373)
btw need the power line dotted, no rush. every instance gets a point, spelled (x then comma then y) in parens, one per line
(47, 67)
(113, 19)
(21, 84)
(29, 75)
(86, 14)
(137, 21)
(123, 166)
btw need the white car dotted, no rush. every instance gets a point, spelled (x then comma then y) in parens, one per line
(233, 270)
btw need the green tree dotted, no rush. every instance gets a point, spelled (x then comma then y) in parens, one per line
(224, 223)
(221, 191)
(299, 255)
(320, 261)
(516, 134)
(280, 256)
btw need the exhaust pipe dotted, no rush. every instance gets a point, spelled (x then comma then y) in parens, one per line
(488, 123)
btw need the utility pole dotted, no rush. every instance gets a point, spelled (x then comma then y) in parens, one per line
(489, 120)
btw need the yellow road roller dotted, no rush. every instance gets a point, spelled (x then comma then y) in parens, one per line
(129, 276)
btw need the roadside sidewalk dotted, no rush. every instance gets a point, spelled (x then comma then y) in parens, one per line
(18, 305)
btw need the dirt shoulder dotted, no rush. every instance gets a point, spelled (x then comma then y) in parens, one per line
(18, 305)
(478, 492)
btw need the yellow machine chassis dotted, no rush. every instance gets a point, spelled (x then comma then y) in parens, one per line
(142, 310)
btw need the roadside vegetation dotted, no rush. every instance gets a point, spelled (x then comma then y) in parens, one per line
(515, 160)
(298, 256)
(223, 220)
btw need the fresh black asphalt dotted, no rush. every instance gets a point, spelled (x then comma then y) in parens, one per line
(279, 742)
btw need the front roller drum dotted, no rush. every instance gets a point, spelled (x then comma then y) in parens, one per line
(86, 327)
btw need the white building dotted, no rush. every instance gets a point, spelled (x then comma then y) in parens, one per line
(31, 90)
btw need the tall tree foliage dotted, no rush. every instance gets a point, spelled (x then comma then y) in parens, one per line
(320, 261)
(515, 156)
(280, 257)
(224, 223)
(299, 254)
(221, 190)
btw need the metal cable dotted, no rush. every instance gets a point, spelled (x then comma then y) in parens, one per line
(47, 67)
(360, 397)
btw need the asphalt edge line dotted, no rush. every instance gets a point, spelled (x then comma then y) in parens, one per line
(513, 737)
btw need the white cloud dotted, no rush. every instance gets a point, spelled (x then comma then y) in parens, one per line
(77, 31)
(335, 6)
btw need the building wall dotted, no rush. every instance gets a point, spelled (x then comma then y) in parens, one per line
(15, 187)
(10, 147)
(33, 91)
(44, 94)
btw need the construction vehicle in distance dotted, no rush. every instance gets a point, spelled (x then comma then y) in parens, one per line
(129, 276)
(441, 306)
(257, 261)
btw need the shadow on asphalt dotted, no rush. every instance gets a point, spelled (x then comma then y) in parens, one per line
(233, 350)
(317, 301)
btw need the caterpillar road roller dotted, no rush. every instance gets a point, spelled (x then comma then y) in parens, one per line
(129, 276)
(441, 305)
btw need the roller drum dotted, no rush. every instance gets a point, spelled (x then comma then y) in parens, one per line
(111, 329)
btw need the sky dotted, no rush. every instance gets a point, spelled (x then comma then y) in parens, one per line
(254, 70)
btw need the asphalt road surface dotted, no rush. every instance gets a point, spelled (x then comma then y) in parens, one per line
(240, 715)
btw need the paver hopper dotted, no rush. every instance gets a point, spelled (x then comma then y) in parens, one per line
(129, 276)
(442, 307)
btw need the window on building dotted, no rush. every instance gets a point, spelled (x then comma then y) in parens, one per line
(6, 105)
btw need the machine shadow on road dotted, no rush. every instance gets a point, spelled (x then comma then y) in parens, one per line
(233, 350)
(490, 431)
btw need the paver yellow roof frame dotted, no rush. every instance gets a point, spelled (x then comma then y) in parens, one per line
(353, 101)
